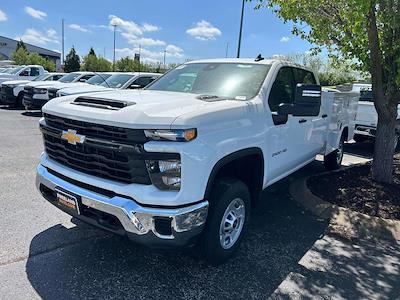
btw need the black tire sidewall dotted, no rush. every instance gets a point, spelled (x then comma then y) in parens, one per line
(224, 191)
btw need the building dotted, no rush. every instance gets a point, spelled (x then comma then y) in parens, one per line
(8, 46)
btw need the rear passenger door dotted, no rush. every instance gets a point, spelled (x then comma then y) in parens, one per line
(316, 125)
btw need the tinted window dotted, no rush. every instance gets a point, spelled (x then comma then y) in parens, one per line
(34, 72)
(84, 78)
(98, 79)
(304, 77)
(117, 81)
(42, 77)
(282, 90)
(232, 80)
(143, 81)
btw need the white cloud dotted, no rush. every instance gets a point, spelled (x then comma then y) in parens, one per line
(126, 26)
(204, 31)
(78, 27)
(150, 27)
(285, 39)
(3, 16)
(174, 51)
(36, 37)
(151, 56)
(136, 41)
(37, 14)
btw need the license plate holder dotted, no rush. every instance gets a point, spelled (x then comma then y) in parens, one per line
(67, 201)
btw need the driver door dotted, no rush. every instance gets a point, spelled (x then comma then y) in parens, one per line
(287, 136)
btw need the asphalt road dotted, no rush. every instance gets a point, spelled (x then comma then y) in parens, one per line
(45, 255)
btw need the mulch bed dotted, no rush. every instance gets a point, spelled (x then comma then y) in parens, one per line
(354, 188)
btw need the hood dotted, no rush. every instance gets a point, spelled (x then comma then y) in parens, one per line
(61, 85)
(44, 84)
(146, 109)
(15, 82)
(88, 88)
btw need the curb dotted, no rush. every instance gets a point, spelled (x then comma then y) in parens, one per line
(343, 221)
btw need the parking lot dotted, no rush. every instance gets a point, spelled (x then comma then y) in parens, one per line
(43, 254)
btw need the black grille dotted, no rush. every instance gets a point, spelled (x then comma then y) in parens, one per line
(8, 91)
(100, 155)
(52, 93)
(28, 92)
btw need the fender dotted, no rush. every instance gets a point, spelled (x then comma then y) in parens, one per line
(228, 159)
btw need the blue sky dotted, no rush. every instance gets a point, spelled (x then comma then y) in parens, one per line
(187, 29)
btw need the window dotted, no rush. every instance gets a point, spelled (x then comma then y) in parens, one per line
(304, 77)
(57, 77)
(282, 90)
(34, 72)
(143, 81)
(85, 77)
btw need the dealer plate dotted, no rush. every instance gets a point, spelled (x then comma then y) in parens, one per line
(67, 200)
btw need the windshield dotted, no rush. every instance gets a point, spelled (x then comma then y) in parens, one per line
(116, 81)
(98, 79)
(16, 70)
(240, 81)
(69, 77)
(41, 77)
(366, 95)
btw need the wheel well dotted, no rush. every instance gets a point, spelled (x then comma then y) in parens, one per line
(21, 94)
(246, 165)
(345, 133)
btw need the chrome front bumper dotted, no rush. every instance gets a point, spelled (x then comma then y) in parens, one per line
(138, 222)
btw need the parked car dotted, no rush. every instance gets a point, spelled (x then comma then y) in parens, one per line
(120, 81)
(36, 94)
(12, 92)
(23, 73)
(182, 161)
(367, 117)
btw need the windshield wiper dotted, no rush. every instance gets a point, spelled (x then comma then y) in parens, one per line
(212, 98)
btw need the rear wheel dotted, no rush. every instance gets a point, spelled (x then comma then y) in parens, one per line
(333, 160)
(227, 220)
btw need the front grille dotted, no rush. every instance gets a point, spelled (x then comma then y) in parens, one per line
(8, 91)
(52, 93)
(28, 92)
(100, 155)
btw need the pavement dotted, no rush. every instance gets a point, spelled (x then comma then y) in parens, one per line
(287, 252)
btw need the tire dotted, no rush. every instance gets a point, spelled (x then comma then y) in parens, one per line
(229, 198)
(18, 103)
(360, 138)
(333, 160)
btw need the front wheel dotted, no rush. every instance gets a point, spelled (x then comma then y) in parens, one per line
(227, 220)
(333, 160)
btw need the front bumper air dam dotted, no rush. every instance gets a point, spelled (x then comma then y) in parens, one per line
(138, 222)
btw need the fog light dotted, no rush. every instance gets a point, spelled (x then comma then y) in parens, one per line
(165, 174)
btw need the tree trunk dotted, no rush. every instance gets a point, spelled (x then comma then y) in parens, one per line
(382, 165)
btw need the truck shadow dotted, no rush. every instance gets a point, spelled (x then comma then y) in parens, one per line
(36, 114)
(364, 149)
(108, 266)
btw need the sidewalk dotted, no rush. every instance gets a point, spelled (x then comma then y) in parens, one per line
(335, 268)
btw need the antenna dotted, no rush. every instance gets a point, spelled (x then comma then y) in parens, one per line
(259, 58)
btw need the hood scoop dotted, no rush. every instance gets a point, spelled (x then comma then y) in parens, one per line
(102, 103)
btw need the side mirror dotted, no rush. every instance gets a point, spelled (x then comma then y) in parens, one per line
(307, 102)
(135, 86)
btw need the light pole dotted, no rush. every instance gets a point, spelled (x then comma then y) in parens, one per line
(165, 53)
(62, 42)
(115, 27)
(227, 49)
(240, 30)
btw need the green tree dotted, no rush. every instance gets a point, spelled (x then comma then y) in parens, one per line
(126, 64)
(36, 59)
(91, 51)
(72, 61)
(20, 56)
(365, 31)
(21, 44)
(95, 64)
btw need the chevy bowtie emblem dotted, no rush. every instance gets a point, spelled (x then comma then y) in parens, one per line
(72, 137)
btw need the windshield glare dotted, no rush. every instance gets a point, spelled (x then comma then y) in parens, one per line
(41, 77)
(16, 70)
(69, 77)
(240, 81)
(117, 81)
(98, 79)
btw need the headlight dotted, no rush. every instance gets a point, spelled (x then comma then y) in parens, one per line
(177, 135)
(39, 91)
(165, 174)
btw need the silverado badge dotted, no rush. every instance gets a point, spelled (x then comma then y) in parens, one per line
(72, 137)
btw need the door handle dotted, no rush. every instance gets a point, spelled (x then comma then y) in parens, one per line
(324, 116)
(302, 120)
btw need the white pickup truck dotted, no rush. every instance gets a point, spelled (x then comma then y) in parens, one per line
(367, 117)
(23, 73)
(183, 161)
(12, 91)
